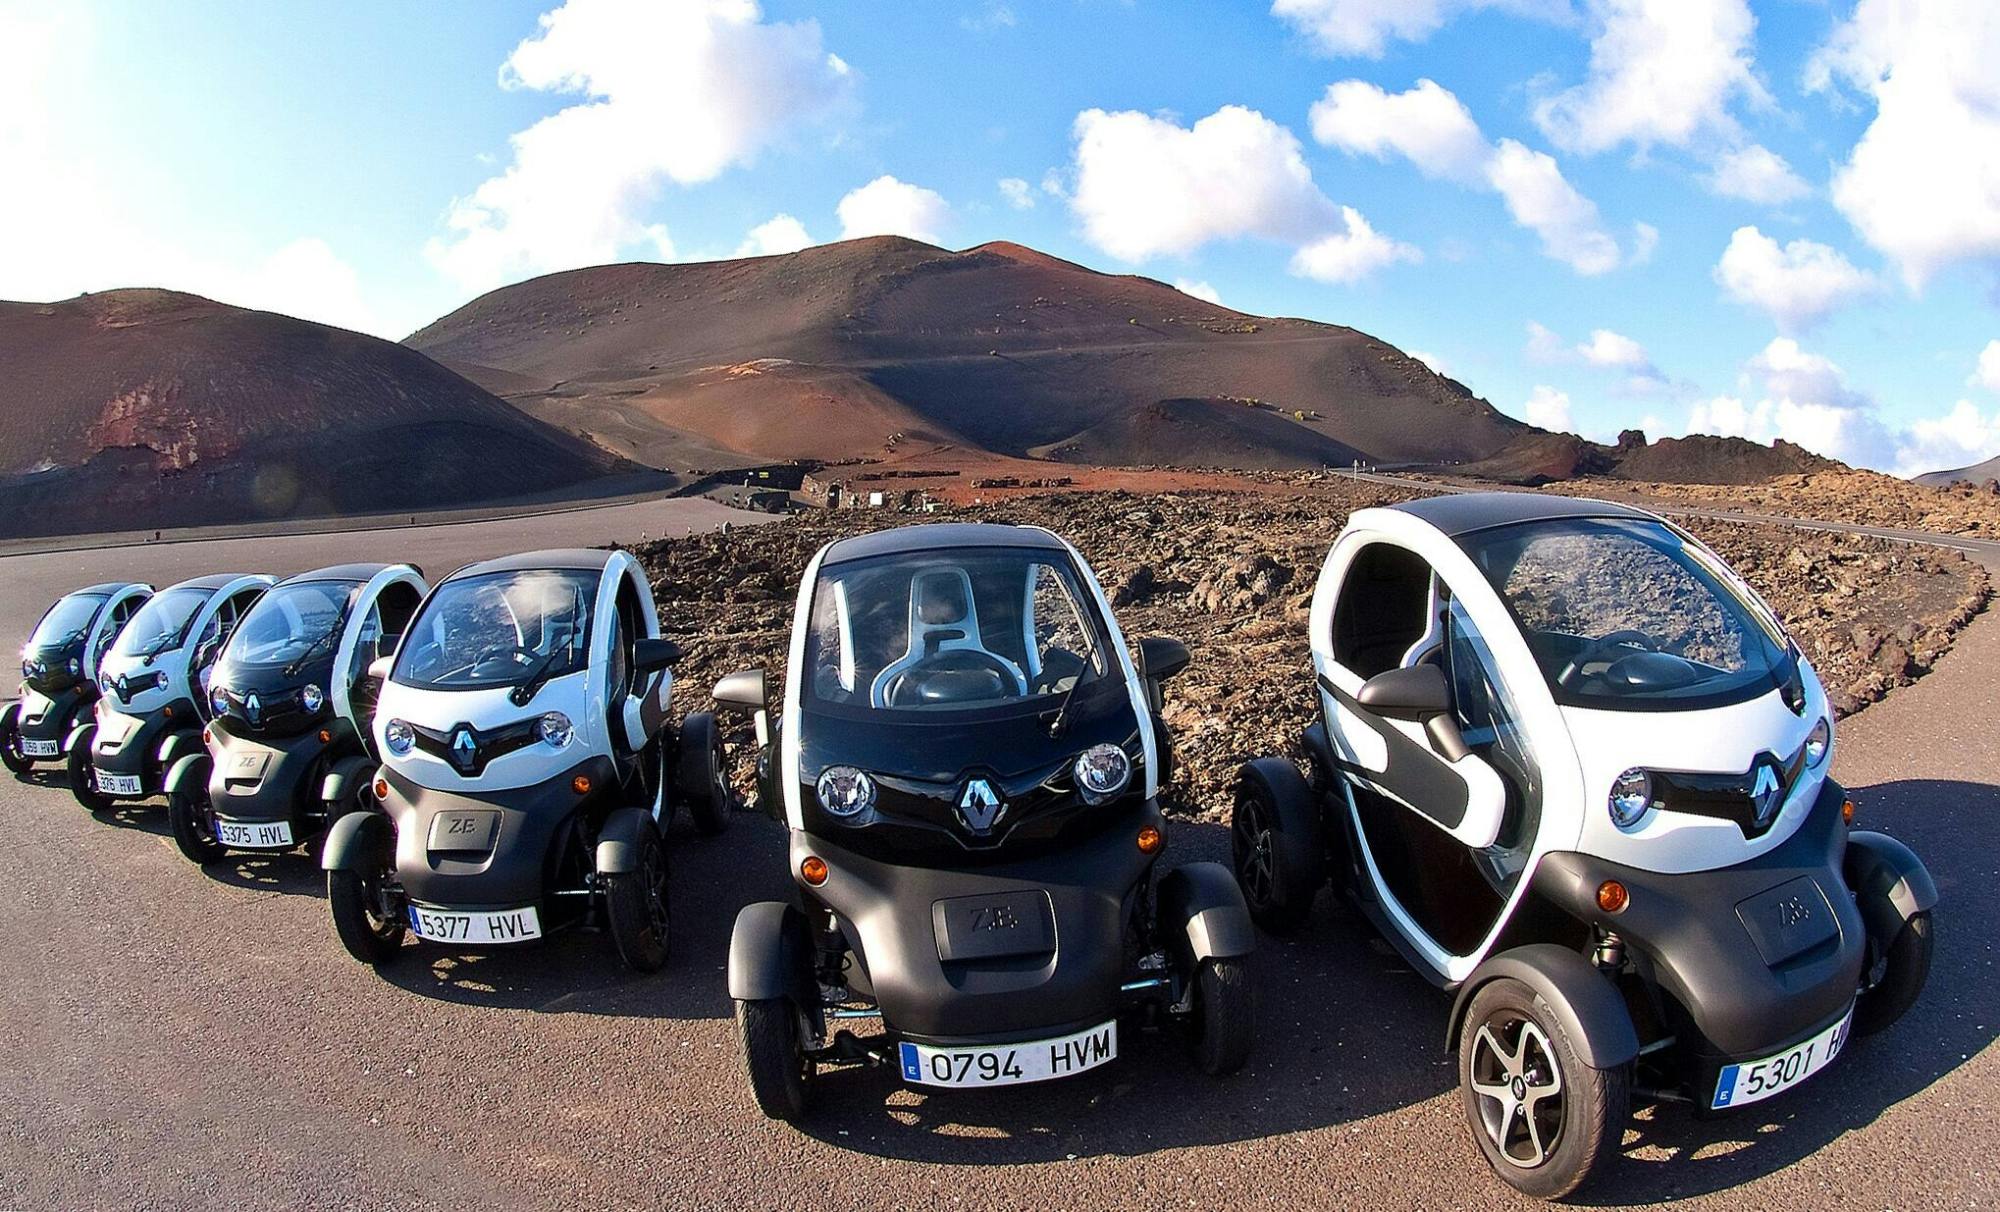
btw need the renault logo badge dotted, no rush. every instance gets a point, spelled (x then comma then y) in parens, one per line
(463, 748)
(1766, 793)
(980, 807)
(253, 708)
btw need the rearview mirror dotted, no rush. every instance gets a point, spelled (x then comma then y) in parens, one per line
(653, 655)
(1417, 692)
(1161, 658)
(743, 691)
(379, 668)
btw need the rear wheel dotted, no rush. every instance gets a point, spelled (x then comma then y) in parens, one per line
(369, 931)
(1898, 973)
(703, 779)
(1275, 844)
(1224, 1021)
(774, 1055)
(193, 821)
(11, 754)
(83, 775)
(635, 903)
(1544, 1119)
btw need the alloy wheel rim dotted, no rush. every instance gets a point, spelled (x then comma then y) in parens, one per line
(1519, 1089)
(1251, 840)
(652, 871)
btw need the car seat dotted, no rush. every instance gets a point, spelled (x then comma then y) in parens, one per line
(942, 620)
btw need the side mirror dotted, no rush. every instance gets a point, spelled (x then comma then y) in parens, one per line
(1417, 692)
(743, 691)
(378, 668)
(1161, 658)
(653, 655)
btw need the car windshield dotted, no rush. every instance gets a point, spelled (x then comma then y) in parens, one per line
(291, 622)
(66, 621)
(1628, 613)
(938, 631)
(500, 629)
(162, 623)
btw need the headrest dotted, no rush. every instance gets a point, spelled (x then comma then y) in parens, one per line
(941, 598)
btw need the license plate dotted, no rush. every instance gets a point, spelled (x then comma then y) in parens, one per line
(1010, 1064)
(40, 748)
(254, 835)
(1755, 1081)
(118, 784)
(478, 926)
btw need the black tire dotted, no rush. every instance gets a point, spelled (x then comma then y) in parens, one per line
(11, 756)
(635, 907)
(83, 775)
(1224, 1021)
(193, 823)
(781, 1074)
(368, 937)
(1275, 844)
(702, 778)
(1550, 1145)
(1904, 968)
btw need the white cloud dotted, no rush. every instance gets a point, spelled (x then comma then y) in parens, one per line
(1548, 409)
(1427, 125)
(1147, 186)
(1923, 184)
(1351, 255)
(1802, 398)
(994, 17)
(1366, 27)
(1614, 349)
(1019, 194)
(1988, 373)
(1798, 284)
(1437, 365)
(1604, 350)
(1959, 438)
(1544, 346)
(1645, 238)
(1661, 72)
(888, 207)
(1199, 290)
(672, 93)
(778, 234)
(1756, 174)
(1541, 200)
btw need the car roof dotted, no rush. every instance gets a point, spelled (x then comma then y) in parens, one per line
(338, 572)
(587, 558)
(214, 580)
(936, 536)
(105, 589)
(1462, 513)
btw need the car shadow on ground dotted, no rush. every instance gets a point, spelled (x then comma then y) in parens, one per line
(293, 872)
(45, 776)
(140, 816)
(579, 971)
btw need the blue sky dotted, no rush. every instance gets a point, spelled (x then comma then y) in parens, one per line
(1772, 219)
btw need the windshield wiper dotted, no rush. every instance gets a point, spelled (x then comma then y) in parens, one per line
(1061, 722)
(298, 662)
(533, 682)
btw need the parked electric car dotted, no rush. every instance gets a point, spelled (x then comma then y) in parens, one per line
(287, 744)
(529, 769)
(1574, 769)
(59, 671)
(968, 762)
(154, 685)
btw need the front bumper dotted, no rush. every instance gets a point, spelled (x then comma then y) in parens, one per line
(50, 717)
(255, 781)
(938, 981)
(504, 860)
(136, 747)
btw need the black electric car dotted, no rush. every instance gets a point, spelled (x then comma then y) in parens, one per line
(968, 761)
(287, 743)
(59, 671)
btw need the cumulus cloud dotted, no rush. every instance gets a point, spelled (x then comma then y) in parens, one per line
(1019, 194)
(1543, 202)
(1755, 173)
(1437, 365)
(1614, 349)
(1923, 183)
(778, 234)
(1548, 409)
(1988, 373)
(1786, 391)
(1199, 290)
(1352, 254)
(1545, 346)
(1798, 284)
(673, 93)
(1605, 349)
(888, 207)
(1959, 438)
(1661, 72)
(1366, 27)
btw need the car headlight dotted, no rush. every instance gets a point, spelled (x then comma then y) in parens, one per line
(1631, 796)
(398, 736)
(27, 668)
(1819, 742)
(218, 701)
(160, 679)
(75, 666)
(311, 697)
(1102, 772)
(845, 791)
(555, 730)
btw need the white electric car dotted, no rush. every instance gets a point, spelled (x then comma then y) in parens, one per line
(1574, 769)
(529, 769)
(59, 671)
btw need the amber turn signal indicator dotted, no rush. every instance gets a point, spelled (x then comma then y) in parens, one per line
(381, 789)
(326, 736)
(812, 869)
(1612, 897)
(1150, 840)
(580, 784)
(208, 738)
(168, 711)
(1847, 812)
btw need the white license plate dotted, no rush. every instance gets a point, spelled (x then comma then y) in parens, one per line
(1754, 1081)
(40, 748)
(1010, 1064)
(254, 835)
(479, 926)
(118, 784)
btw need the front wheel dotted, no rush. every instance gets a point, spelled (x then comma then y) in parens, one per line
(1544, 1119)
(774, 1054)
(83, 775)
(635, 902)
(366, 928)
(193, 822)
(1225, 1016)
(1275, 844)
(12, 755)
(1898, 976)
(703, 778)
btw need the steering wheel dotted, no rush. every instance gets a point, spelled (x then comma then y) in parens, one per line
(528, 655)
(1602, 648)
(955, 659)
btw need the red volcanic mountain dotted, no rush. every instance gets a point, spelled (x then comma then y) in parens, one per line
(149, 408)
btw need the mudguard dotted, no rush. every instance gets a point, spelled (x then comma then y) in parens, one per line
(85, 732)
(348, 772)
(618, 842)
(357, 842)
(770, 955)
(10, 715)
(1203, 903)
(1589, 1008)
(173, 746)
(1891, 885)
(184, 768)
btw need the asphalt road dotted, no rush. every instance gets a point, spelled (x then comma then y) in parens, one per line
(170, 1038)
